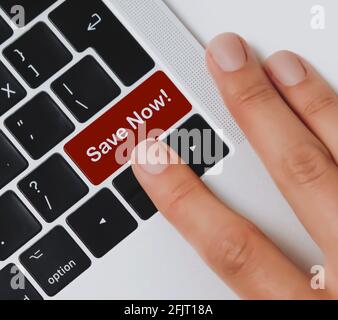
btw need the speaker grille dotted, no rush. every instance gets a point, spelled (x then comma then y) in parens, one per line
(183, 55)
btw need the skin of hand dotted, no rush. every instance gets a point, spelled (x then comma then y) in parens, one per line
(290, 115)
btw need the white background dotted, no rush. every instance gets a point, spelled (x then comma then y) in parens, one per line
(268, 25)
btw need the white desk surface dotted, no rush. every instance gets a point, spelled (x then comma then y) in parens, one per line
(268, 26)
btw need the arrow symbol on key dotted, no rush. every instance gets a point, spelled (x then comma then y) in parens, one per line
(103, 221)
(92, 26)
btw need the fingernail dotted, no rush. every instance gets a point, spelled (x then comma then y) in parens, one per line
(228, 52)
(287, 68)
(152, 156)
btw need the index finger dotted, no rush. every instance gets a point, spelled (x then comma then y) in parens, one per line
(241, 255)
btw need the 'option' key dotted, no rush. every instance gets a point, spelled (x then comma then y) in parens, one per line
(55, 261)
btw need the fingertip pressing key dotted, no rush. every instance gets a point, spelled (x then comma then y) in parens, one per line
(152, 156)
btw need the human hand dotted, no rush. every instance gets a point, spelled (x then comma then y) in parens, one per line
(290, 116)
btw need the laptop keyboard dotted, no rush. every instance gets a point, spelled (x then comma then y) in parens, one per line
(55, 261)
(12, 163)
(37, 55)
(102, 223)
(132, 192)
(194, 151)
(17, 224)
(53, 188)
(32, 7)
(11, 91)
(5, 31)
(89, 27)
(23, 291)
(188, 149)
(38, 137)
(86, 89)
(37, 131)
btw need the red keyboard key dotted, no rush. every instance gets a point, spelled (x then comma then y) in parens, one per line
(106, 144)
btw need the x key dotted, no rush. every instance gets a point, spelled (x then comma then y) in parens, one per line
(11, 92)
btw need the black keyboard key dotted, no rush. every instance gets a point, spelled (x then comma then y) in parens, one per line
(15, 286)
(102, 223)
(39, 125)
(5, 30)
(11, 91)
(86, 89)
(93, 25)
(198, 145)
(53, 188)
(37, 55)
(17, 225)
(12, 163)
(55, 261)
(32, 7)
(133, 193)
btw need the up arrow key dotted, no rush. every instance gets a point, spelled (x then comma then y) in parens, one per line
(103, 221)
(193, 148)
